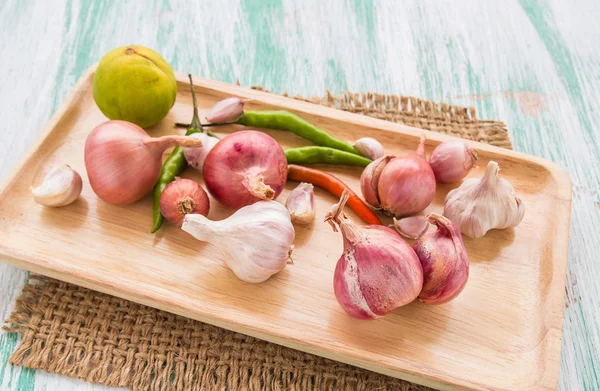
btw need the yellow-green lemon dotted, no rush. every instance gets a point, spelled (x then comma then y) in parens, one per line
(135, 84)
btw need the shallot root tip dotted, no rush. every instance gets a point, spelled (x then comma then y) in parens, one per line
(337, 211)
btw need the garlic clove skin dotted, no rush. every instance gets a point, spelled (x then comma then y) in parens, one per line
(445, 262)
(485, 203)
(301, 204)
(369, 180)
(452, 160)
(412, 227)
(225, 110)
(60, 187)
(369, 148)
(255, 241)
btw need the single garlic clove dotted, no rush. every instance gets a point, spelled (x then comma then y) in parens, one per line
(369, 180)
(369, 148)
(60, 187)
(301, 204)
(412, 227)
(225, 110)
(485, 203)
(196, 156)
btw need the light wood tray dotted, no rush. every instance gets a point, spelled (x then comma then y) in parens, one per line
(502, 333)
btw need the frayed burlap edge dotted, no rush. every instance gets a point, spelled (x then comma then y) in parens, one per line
(74, 331)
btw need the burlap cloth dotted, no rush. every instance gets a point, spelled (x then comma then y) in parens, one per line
(80, 333)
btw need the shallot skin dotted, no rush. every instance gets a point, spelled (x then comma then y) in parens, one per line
(444, 260)
(452, 160)
(245, 167)
(358, 285)
(406, 185)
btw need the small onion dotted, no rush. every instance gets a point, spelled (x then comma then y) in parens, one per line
(399, 186)
(181, 197)
(377, 271)
(452, 160)
(444, 259)
(123, 163)
(245, 167)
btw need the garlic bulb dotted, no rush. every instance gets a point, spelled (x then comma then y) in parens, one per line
(256, 241)
(485, 203)
(61, 186)
(301, 204)
(369, 148)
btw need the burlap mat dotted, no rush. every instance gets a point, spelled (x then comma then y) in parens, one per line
(84, 334)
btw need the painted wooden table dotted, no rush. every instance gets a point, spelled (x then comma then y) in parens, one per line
(533, 64)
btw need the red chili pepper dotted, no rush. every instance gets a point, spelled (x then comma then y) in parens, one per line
(334, 186)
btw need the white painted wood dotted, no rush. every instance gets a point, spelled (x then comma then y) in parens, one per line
(482, 53)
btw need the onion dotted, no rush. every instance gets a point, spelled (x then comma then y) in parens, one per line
(181, 197)
(452, 160)
(377, 271)
(123, 163)
(245, 167)
(444, 259)
(400, 186)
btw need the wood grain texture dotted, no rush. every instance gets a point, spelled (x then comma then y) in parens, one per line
(533, 64)
(503, 327)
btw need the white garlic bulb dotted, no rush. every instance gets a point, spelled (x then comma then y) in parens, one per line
(485, 203)
(256, 241)
(61, 187)
(369, 148)
(301, 204)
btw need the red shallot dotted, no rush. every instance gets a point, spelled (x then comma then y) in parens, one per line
(377, 272)
(444, 259)
(245, 167)
(123, 163)
(399, 186)
(452, 160)
(181, 197)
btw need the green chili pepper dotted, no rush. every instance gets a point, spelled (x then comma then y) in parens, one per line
(284, 120)
(173, 166)
(314, 155)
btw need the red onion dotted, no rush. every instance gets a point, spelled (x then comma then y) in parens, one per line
(245, 167)
(377, 272)
(123, 163)
(452, 160)
(399, 186)
(444, 259)
(181, 197)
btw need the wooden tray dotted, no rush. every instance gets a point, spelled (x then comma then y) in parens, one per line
(502, 333)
